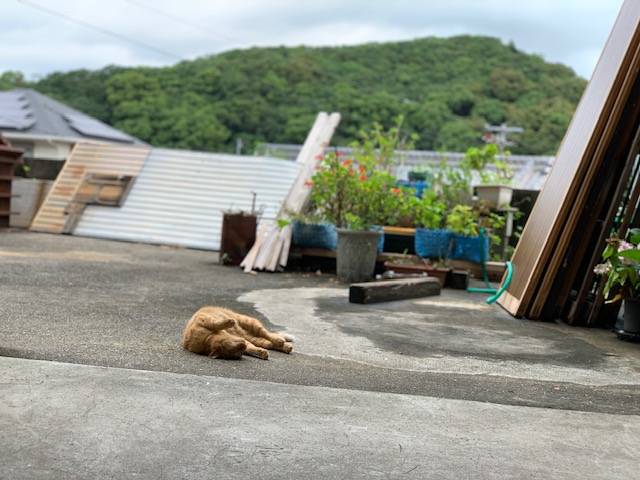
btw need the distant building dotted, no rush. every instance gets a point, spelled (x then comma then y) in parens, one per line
(47, 130)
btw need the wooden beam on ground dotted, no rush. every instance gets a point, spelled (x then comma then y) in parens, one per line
(390, 290)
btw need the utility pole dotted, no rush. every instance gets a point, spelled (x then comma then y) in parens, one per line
(497, 134)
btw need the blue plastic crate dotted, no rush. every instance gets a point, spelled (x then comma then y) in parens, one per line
(472, 249)
(432, 243)
(314, 235)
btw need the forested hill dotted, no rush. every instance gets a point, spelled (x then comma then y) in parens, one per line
(447, 88)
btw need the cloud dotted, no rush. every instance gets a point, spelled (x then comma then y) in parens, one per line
(572, 31)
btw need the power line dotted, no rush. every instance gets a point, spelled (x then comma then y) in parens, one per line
(178, 19)
(100, 29)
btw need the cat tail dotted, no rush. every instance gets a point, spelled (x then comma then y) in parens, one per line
(288, 337)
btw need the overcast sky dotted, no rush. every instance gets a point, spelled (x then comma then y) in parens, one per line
(161, 32)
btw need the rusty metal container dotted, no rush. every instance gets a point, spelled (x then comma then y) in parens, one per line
(238, 236)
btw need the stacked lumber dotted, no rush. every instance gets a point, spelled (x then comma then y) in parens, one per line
(271, 249)
(591, 192)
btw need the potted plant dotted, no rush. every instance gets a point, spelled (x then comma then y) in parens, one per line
(495, 185)
(359, 195)
(355, 200)
(468, 243)
(311, 231)
(621, 267)
(431, 240)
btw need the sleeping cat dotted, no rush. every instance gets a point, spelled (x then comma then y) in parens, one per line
(222, 333)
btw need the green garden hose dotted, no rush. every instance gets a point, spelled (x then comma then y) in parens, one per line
(505, 285)
(495, 294)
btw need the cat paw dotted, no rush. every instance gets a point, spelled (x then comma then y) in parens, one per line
(262, 354)
(287, 348)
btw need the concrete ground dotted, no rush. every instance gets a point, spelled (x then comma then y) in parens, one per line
(444, 387)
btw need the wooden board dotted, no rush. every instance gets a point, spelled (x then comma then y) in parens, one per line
(391, 290)
(309, 158)
(587, 184)
(272, 251)
(407, 232)
(588, 126)
(85, 158)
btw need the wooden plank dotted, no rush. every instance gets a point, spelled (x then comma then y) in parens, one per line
(273, 250)
(569, 226)
(587, 129)
(276, 253)
(249, 261)
(391, 290)
(284, 255)
(265, 249)
(314, 148)
(408, 232)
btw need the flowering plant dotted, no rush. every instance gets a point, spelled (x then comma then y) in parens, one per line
(353, 196)
(359, 192)
(621, 264)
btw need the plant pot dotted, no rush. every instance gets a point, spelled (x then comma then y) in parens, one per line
(238, 236)
(432, 243)
(356, 255)
(314, 235)
(471, 249)
(495, 196)
(631, 315)
(442, 274)
(459, 279)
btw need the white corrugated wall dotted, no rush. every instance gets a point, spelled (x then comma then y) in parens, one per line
(179, 197)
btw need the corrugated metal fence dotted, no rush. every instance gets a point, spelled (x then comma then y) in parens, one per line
(179, 197)
(530, 171)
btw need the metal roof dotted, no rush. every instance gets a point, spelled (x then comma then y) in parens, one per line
(530, 171)
(179, 196)
(26, 111)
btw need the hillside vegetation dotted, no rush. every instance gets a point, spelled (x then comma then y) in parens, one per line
(446, 88)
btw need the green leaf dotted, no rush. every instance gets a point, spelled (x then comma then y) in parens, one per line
(633, 254)
(634, 236)
(608, 251)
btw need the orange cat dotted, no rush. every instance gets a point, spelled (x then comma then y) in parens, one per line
(222, 333)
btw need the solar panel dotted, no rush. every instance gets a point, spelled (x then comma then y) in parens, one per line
(94, 128)
(15, 113)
